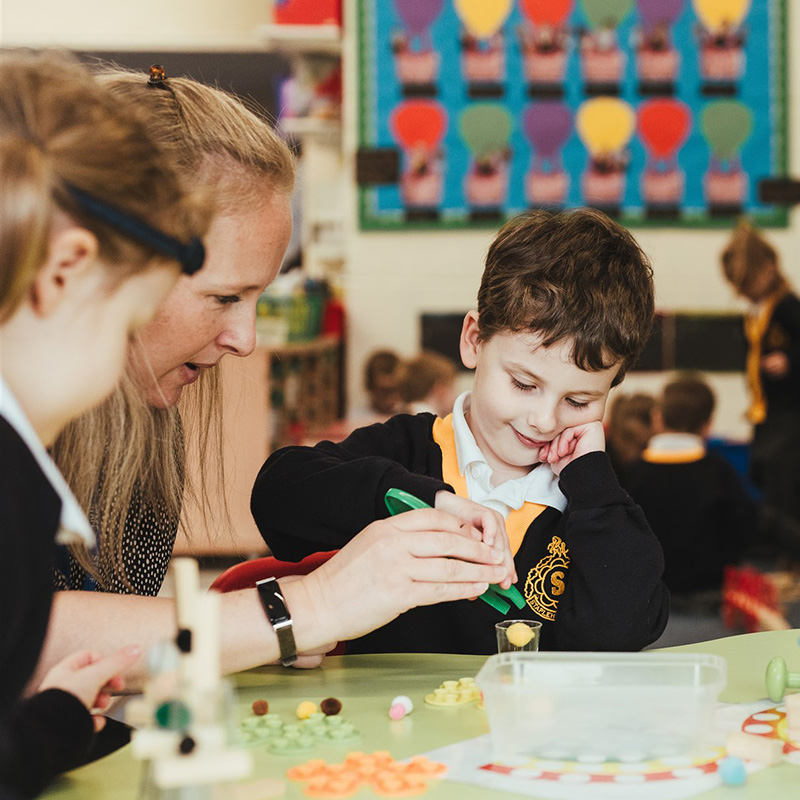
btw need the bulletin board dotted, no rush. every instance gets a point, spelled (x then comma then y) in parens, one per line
(659, 112)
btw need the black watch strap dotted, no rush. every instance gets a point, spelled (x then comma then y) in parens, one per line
(269, 592)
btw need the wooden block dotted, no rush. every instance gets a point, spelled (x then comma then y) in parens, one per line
(754, 748)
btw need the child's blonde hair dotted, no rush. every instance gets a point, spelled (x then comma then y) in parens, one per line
(747, 255)
(227, 151)
(61, 131)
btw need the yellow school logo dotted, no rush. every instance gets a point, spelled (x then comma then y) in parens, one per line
(546, 582)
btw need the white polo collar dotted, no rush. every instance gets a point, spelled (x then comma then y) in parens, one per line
(540, 485)
(73, 524)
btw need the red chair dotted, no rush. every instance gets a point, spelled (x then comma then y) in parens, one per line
(245, 575)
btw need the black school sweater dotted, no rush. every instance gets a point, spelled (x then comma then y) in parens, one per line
(52, 730)
(592, 575)
(701, 513)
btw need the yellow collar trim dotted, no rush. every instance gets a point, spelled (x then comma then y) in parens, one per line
(519, 519)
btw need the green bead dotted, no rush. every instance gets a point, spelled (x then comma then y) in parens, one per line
(173, 715)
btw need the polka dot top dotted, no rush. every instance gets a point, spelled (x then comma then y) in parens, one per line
(146, 551)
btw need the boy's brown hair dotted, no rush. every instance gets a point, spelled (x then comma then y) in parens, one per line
(570, 275)
(422, 373)
(687, 404)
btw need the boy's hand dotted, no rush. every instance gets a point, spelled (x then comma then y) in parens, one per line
(92, 678)
(490, 523)
(573, 443)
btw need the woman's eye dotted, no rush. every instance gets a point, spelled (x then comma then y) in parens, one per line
(523, 387)
(227, 299)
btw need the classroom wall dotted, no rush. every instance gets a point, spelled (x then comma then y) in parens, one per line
(391, 278)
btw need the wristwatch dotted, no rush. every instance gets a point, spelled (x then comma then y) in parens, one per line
(269, 592)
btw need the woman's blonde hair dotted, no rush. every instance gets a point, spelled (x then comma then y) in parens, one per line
(215, 143)
(61, 131)
(747, 255)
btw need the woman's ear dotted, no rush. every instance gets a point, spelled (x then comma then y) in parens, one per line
(70, 253)
(470, 340)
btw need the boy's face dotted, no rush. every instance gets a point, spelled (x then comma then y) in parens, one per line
(524, 395)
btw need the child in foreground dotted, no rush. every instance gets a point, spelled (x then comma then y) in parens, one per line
(692, 497)
(564, 308)
(92, 227)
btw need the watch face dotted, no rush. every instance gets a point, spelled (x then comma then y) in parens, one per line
(273, 601)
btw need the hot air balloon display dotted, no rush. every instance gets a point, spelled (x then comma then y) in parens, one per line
(657, 60)
(416, 62)
(605, 126)
(485, 129)
(543, 40)
(602, 61)
(483, 58)
(722, 59)
(418, 127)
(547, 126)
(663, 127)
(726, 125)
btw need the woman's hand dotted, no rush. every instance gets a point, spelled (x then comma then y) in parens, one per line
(92, 678)
(414, 559)
(489, 522)
(573, 443)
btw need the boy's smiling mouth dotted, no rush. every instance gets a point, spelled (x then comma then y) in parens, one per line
(528, 442)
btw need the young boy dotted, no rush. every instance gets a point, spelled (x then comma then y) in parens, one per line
(564, 307)
(693, 499)
(428, 384)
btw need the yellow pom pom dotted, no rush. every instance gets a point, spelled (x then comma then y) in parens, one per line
(519, 634)
(306, 709)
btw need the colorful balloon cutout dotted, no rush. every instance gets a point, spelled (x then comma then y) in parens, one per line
(664, 126)
(418, 122)
(716, 14)
(659, 12)
(485, 128)
(726, 126)
(547, 125)
(546, 12)
(605, 124)
(483, 18)
(418, 15)
(605, 13)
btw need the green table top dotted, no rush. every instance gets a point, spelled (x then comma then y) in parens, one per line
(367, 684)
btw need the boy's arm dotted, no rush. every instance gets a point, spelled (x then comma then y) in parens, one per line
(615, 599)
(311, 499)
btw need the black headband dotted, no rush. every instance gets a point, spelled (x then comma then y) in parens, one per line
(190, 254)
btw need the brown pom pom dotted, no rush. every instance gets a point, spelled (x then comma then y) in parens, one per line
(330, 706)
(260, 707)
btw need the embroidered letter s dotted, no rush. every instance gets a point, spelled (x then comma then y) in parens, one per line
(557, 582)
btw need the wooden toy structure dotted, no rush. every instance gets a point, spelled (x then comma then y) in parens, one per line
(182, 733)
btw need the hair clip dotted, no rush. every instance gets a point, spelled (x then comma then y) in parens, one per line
(157, 76)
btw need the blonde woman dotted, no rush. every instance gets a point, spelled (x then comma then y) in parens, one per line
(84, 262)
(221, 146)
(772, 326)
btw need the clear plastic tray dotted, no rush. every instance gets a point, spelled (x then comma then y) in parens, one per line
(600, 706)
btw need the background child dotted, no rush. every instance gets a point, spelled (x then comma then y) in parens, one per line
(692, 497)
(428, 384)
(75, 166)
(382, 372)
(629, 428)
(772, 327)
(564, 308)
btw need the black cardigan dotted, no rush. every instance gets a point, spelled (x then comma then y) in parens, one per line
(51, 731)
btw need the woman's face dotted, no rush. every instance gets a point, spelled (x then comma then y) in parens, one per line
(213, 313)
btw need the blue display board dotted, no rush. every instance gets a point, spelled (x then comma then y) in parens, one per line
(660, 112)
